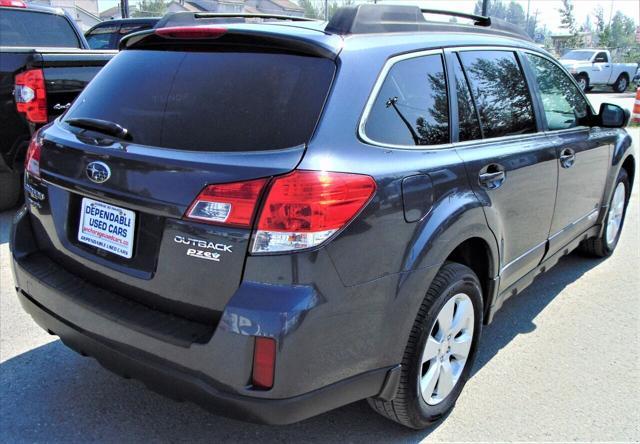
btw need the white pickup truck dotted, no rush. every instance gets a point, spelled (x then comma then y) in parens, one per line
(593, 67)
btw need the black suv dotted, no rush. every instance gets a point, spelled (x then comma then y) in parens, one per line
(276, 219)
(107, 34)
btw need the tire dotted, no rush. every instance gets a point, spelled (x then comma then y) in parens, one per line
(10, 189)
(583, 82)
(621, 84)
(454, 284)
(605, 244)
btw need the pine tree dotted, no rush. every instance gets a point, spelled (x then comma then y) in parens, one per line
(568, 21)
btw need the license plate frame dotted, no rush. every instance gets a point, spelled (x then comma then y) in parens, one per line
(107, 227)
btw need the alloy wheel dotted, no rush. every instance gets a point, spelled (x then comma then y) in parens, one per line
(616, 211)
(622, 86)
(447, 349)
(582, 82)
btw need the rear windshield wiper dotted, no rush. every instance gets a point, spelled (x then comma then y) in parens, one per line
(102, 126)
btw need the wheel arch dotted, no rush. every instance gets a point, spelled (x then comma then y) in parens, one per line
(477, 254)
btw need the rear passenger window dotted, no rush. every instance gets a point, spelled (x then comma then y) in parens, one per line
(20, 27)
(564, 106)
(500, 91)
(468, 125)
(411, 107)
(101, 38)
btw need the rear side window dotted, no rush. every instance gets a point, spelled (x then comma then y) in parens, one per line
(210, 101)
(411, 107)
(102, 37)
(500, 91)
(19, 27)
(468, 124)
(564, 106)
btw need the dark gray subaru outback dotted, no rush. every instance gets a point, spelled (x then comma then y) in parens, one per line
(276, 219)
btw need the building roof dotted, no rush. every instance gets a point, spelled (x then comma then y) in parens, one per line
(111, 12)
(287, 5)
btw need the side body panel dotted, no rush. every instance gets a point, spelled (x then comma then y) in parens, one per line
(580, 183)
(519, 211)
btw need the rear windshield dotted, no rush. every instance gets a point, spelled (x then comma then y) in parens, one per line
(19, 27)
(210, 101)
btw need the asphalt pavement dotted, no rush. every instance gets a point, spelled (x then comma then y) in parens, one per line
(560, 362)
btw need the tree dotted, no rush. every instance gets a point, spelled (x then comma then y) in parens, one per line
(568, 21)
(310, 11)
(618, 36)
(149, 8)
(599, 14)
(515, 15)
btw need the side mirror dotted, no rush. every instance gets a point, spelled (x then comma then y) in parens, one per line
(613, 116)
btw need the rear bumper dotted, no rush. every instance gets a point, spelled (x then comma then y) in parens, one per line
(198, 373)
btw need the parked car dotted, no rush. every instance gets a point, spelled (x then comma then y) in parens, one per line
(107, 34)
(274, 246)
(593, 67)
(44, 64)
(636, 79)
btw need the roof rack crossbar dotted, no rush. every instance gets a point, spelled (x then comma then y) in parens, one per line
(478, 20)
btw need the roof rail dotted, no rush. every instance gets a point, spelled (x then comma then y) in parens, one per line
(381, 18)
(183, 18)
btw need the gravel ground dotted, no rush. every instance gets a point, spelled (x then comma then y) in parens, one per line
(559, 363)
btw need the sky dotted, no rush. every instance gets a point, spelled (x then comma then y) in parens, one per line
(547, 9)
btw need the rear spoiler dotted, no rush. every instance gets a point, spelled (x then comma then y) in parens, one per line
(186, 18)
(265, 37)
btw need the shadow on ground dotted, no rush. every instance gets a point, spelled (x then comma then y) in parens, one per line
(52, 394)
(5, 225)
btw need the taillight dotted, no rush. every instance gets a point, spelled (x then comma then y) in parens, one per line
(32, 160)
(264, 362)
(31, 96)
(191, 32)
(232, 204)
(13, 3)
(305, 208)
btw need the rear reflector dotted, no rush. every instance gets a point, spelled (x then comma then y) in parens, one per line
(231, 204)
(264, 362)
(191, 32)
(305, 208)
(31, 96)
(32, 160)
(13, 3)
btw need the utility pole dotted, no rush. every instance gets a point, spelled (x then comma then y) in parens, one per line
(326, 9)
(485, 7)
(124, 8)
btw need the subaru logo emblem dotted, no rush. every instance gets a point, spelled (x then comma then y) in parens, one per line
(98, 172)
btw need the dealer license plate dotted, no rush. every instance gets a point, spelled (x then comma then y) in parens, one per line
(107, 227)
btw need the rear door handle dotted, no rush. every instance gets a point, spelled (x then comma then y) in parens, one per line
(492, 176)
(567, 158)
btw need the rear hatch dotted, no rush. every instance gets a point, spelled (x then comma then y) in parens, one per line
(193, 118)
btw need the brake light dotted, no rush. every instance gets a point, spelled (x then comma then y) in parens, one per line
(30, 95)
(191, 32)
(32, 160)
(305, 208)
(13, 3)
(230, 204)
(264, 362)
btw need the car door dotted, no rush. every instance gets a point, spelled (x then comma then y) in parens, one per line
(583, 152)
(601, 69)
(511, 165)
